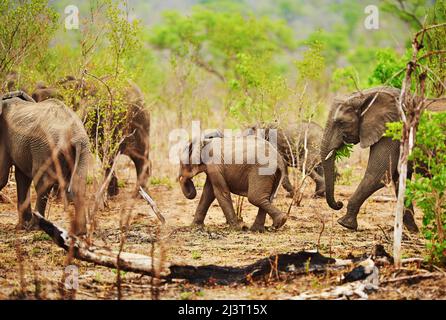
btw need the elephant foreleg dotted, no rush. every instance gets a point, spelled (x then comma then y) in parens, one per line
(382, 162)
(366, 188)
(207, 197)
(223, 195)
(23, 198)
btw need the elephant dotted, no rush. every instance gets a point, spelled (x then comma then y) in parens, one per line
(135, 129)
(226, 177)
(361, 118)
(292, 137)
(42, 93)
(45, 142)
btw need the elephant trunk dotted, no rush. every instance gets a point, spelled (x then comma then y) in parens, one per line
(328, 156)
(188, 188)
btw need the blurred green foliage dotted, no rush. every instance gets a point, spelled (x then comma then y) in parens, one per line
(428, 189)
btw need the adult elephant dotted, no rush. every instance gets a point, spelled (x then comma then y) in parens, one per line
(225, 177)
(292, 140)
(135, 130)
(361, 118)
(45, 142)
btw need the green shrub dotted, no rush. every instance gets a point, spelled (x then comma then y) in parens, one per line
(428, 188)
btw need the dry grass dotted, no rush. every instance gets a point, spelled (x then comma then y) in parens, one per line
(216, 244)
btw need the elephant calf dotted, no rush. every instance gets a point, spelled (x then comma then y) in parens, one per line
(224, 177)
(45, 142)
(291, 145)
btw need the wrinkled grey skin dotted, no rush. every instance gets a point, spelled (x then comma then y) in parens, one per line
(361, 118)
(32, 136)
(136, 128)
(292, 138)
(241, 179)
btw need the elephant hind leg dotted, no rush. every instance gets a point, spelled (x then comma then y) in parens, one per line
(113, 188)
(142, 172)
(4, 175)
(23, 198)
(286, 184)
(320, 183)
(260, 195)
(43, 188)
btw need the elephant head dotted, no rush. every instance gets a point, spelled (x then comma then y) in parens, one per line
(358, 118)
(192, 162)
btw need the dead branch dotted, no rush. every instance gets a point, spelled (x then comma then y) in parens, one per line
(152, 204)
(415, 276)
(101, 256)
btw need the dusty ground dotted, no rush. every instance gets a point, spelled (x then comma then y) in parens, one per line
(43, 262)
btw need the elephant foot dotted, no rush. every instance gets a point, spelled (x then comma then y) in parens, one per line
(28, 225)
(257, 228)
(79, 227)
(409, 222)
(319, 194)
(239, 226)
(197, 225)
(349, 222)
(279, 220)
(113, 189)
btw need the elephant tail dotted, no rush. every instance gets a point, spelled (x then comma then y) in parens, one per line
(78, 150)
(279, 176)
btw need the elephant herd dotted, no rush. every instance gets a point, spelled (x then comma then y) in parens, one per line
(49, 145)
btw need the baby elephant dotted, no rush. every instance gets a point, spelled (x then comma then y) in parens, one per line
(246, 166)
(43, 141)
(292, 138)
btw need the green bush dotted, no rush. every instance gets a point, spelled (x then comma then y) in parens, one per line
(428, 188)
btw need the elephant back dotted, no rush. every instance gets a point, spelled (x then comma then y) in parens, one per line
(17, 94)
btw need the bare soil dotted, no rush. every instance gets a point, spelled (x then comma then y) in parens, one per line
(31, 266)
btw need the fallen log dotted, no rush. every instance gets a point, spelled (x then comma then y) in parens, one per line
(101, 256)
(296, 263)
(415, 276)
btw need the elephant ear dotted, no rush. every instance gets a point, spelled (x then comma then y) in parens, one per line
(377, 109)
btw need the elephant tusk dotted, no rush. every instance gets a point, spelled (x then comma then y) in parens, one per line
(329, 155)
